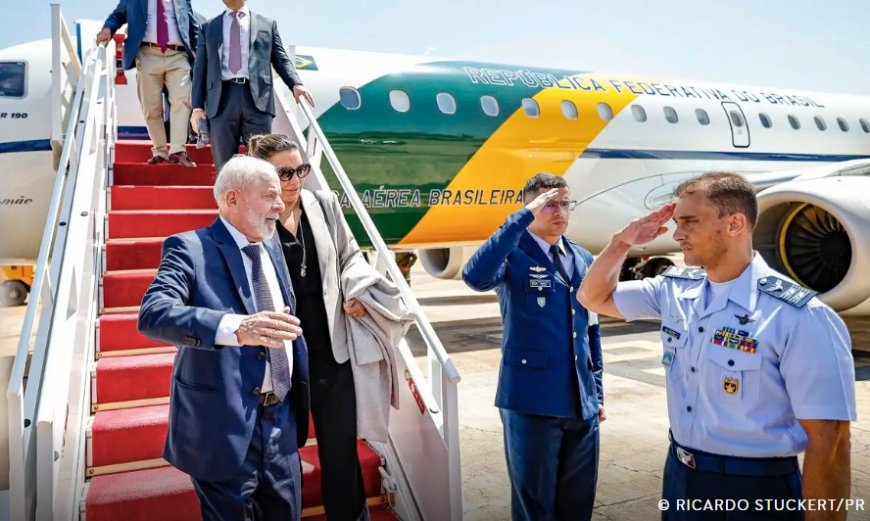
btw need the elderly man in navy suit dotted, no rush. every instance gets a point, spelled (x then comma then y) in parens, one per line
(232, 77)
(238, 407)
(550, 395)
(161, 37)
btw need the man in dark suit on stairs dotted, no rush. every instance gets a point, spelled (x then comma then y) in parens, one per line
(232, 78)
(238, 407)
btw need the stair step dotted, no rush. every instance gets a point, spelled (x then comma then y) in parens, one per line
(133, 254)
(157, 223)
(118, 332)
(162, 197)
(376, 513)
(163, 175)
(125, 379)
(127, 435)
(125, 288)
(166, 493)
(134, 151)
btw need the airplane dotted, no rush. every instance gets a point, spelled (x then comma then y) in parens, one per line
(439, 149)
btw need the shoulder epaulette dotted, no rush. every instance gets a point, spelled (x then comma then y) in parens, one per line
(679, 272)
(786, 291)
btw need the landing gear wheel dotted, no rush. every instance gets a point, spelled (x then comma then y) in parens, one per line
(654, 267)
(13, 293)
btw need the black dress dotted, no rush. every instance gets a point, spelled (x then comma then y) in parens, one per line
(333, 400)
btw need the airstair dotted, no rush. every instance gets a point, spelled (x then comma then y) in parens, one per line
(88, 397)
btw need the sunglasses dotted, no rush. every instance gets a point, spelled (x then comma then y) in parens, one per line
(286, 173)
(565, 206)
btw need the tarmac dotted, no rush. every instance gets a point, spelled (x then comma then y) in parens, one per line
(634, 436)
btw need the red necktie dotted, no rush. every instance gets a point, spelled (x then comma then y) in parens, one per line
(162, 27)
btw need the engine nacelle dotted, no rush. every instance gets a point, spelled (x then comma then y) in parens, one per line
(446, 263)
(817, 231)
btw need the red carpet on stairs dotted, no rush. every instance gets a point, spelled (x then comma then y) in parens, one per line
(129, 480)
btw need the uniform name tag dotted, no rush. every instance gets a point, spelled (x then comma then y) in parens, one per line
(674, 333)
(542, 283)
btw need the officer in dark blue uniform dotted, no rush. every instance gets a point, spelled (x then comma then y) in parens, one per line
(757, 368)
(550, 393)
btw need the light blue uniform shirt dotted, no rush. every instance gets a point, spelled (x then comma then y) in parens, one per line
(743, 368)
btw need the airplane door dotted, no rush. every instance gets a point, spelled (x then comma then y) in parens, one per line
(739, 128)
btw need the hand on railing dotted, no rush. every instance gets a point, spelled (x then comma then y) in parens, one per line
(300, 91)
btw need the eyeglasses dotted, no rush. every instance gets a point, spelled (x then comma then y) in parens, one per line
(286, 173)
(565, 206)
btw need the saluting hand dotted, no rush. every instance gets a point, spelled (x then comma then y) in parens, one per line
(542, 199)
(646, 229)
(268, 329)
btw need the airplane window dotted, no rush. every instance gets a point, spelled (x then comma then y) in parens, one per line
(489, 105)
(639, 113)
(765, 120)
(349, 98)
(400, 101)
(531, 108)
(820, 123)
(446, 103)
(794, 121)
(844, 125)
(12, 79)
(671, 115)
(865, 126)
(569, 109)
(605, 112)
(701, 114)
(736, 119)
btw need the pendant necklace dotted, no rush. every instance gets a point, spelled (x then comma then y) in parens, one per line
(302, 270)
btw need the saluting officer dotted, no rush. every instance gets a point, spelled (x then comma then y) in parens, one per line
(757, 368)
(549, 394)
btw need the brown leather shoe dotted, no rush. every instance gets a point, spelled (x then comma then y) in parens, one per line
(156, 160)
(181, 158)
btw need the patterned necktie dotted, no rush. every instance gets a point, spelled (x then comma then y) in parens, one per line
(236, 43)
(557, 261)
(162, 27)
(263, 296)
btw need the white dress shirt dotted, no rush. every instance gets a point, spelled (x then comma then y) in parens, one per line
(229, 324)
(171, 22)
(244, 40)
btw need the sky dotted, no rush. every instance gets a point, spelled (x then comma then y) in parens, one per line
(798, 44)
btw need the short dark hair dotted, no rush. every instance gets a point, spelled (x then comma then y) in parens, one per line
(541, 180)
(265, 146)
(728, 192)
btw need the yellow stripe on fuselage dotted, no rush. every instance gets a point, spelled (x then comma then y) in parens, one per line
(519, 149)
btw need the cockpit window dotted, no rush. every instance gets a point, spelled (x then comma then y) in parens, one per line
(12, 79)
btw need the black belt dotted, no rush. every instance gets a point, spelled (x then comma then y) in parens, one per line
(241, 81)
(733, 465)
(267, 399)
(168, 46)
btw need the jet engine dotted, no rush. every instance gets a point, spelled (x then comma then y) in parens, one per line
(817, 231)
(446, 263)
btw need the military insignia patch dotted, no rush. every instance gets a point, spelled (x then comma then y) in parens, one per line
(786, 291)
(538, 269)
(731, 385)
(745, 319)
(678, 272)
(542, 301)
(735, 339)
(668, 358)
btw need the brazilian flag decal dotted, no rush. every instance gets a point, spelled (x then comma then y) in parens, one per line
(305, 63)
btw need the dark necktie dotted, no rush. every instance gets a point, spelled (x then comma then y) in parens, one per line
(557, 261)
(263, 296)
(236, 43)
(162, 27)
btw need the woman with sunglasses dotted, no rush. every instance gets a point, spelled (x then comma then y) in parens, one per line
(316, 252)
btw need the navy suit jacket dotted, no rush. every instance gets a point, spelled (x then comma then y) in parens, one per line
(549, 350)
(134, 13)
(214, 389)
(266, 51)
